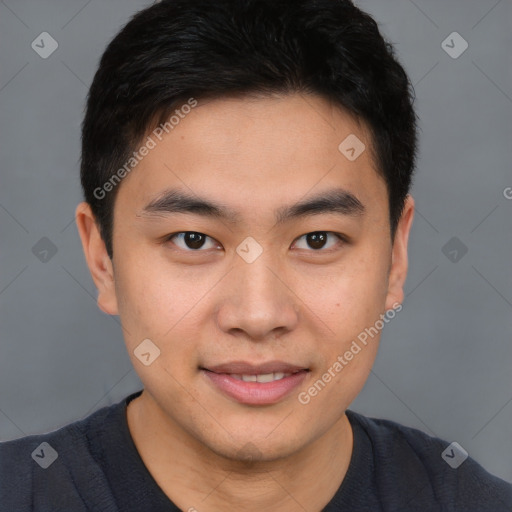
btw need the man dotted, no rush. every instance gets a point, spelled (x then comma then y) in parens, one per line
(246, 166)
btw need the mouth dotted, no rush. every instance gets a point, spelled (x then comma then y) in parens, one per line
(261, 377)
(263, 384)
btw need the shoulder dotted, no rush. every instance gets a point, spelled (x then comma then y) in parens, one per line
(50, 471)
(408, 458)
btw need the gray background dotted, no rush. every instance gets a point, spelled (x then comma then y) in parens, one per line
(444, 364)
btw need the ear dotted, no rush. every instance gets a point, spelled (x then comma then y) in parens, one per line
(98, 260)
(399, 259)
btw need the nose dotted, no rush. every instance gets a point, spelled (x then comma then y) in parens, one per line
(257, 302)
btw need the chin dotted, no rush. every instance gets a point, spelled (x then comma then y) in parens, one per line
(251, 448)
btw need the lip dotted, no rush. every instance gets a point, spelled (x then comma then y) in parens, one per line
(255, 393)
(242, 367)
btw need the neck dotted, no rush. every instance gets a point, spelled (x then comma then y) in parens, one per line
(197, 479)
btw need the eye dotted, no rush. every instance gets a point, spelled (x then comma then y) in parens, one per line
(191, 240)
(318, 240)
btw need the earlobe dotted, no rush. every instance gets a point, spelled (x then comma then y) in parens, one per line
(97, 258)
(399, 261)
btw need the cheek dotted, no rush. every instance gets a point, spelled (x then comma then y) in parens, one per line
(351, 296)
(160, 301)
(149, 300)
(158, 306)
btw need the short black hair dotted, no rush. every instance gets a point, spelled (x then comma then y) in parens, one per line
(178, 50)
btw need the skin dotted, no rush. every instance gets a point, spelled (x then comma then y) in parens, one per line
(294, 303)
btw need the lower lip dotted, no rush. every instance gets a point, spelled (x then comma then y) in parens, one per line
(255, 393)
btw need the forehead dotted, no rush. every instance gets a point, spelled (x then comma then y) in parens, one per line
(254, 153)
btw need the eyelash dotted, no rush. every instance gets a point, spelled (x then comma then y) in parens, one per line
(341, 240)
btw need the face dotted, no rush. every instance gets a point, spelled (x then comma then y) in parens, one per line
(253, 254)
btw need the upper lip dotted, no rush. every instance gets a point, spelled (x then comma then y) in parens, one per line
(245, 368)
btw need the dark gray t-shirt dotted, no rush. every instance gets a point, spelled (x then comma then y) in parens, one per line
(393, 468)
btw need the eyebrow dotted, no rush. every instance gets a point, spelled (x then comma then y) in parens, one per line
(338, 201)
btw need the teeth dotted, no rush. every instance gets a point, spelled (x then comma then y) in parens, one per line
(264, 377)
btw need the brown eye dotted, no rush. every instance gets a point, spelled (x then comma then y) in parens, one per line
(191, 240)
(194, 240)
(317, 240)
